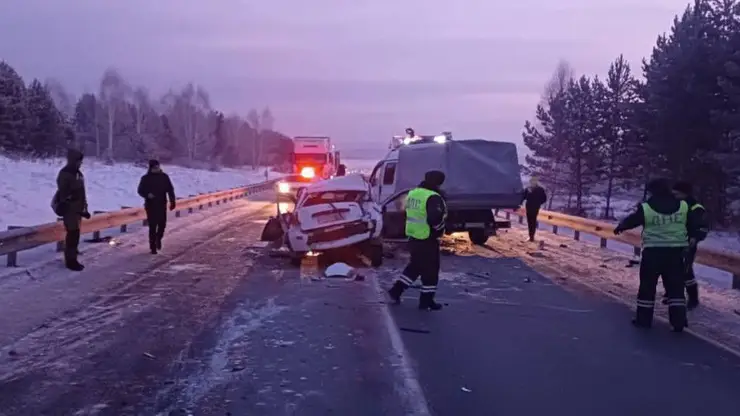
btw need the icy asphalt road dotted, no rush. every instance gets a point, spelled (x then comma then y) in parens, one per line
(217, 326)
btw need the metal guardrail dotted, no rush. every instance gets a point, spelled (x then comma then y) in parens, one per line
(18, 239)
(718, 259)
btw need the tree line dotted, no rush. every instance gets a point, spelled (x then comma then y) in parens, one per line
(680, 120)
(121, 122)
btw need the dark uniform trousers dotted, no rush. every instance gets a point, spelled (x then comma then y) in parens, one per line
(156, 216)
(666, 263)
(424, 263)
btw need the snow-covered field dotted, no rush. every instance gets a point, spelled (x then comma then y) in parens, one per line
(28, 185)
(360, 165)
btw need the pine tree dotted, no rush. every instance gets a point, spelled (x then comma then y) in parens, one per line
(546, 143)
(617, 104)
(13, 111)
(46, 130)
(681, 95)
(581, 149)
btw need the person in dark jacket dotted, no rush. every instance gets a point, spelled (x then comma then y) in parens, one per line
(534, 197)
(426, 213)
(70, 203)
(684, 191)
(156, 187)
(668, 226)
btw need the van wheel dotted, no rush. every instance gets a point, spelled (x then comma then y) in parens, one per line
(478, 236)
(375, 253)
(297, 259)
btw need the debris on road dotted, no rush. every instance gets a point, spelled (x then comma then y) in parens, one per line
(465, 389)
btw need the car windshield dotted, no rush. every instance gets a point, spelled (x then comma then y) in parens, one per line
(333, 197)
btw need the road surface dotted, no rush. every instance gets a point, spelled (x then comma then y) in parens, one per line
(218, 325)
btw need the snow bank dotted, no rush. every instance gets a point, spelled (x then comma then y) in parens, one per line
(28, 185)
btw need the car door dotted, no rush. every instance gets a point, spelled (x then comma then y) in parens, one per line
(375, 182)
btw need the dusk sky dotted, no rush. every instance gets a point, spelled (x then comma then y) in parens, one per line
(359, 71)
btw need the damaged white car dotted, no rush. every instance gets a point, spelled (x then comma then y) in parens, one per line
(330, 215)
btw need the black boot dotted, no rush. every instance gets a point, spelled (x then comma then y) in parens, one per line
(159, 243)
(426, 302)
(396, 291)
(643, 318)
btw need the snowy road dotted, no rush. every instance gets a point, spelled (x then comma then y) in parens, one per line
(217, 326)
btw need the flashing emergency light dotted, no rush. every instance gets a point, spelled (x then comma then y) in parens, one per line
(283, 188)
(407, 140)
(308, 172)
(440, 139)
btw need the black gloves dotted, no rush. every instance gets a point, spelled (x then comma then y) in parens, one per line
(85, 215)
(172, 205)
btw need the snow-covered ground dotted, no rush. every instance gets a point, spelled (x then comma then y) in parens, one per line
(28, 185)
(360, 165)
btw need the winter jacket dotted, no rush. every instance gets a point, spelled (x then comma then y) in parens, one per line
(158, 185)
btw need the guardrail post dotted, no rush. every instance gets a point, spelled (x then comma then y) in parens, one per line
(521, 219)
(736, 281)
(124, 227)
(602, 242)
(12, 258)
(554, 229)
(60, 243)
(637, 251)
(508, 215)
(577, 235)
(96, 234)
(190, 209)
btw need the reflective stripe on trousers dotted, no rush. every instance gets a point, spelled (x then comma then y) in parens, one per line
(429, 289)
(691, 282)
(676, 302)
(649, 304)
(405, 280)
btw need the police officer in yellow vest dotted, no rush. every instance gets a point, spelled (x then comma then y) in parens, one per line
(668, 224)
(426, 213)
(684, 191)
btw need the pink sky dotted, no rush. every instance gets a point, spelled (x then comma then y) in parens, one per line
(358, 70)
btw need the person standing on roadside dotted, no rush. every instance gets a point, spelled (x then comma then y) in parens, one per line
(70, 203)
(534, 197)
(156, 187)
(684, 191)
(667, 227)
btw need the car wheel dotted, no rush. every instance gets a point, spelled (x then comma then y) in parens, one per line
(478, 236)
(375, 253)
(297, 259)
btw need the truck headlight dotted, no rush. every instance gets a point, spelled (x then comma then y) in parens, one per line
(283, 187)
(440, 139)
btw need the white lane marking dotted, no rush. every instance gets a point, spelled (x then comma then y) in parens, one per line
(409, 389)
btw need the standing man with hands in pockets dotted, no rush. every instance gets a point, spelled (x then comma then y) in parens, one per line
(155, 187)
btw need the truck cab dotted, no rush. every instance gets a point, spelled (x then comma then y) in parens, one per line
(314, 157)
